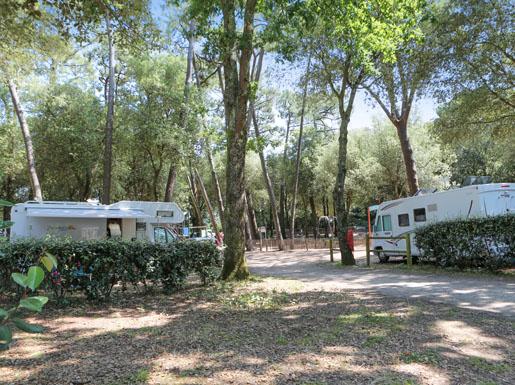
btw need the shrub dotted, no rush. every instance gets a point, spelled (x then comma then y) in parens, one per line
(477, 242)
(94, 267)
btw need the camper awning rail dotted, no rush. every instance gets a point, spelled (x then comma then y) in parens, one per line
(70, 212)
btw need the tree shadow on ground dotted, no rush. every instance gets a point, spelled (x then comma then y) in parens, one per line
(224, 335)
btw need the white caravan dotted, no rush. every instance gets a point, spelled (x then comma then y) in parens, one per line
(153, 221)
(398, 217)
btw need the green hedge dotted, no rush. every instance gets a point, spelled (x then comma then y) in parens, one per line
(94, 267)
(479, 242)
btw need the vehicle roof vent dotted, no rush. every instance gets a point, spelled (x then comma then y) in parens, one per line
(425, 191)
(475, 180)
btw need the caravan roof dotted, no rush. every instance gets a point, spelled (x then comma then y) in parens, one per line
(84, 212)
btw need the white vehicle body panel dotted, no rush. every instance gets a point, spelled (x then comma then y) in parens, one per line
(397, 218)
(83, 221)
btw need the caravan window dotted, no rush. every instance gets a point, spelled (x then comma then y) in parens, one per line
(379, 224)
(387, 223)
(419, 215)
(403, 220)
(159, 235)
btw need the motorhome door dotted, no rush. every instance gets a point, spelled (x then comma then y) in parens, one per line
(383, 226)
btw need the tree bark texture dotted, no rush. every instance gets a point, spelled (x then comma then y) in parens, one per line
(407, 154)
(347, 257)
(108, 140)
(27, 138)
(170, 183)
(236, 97)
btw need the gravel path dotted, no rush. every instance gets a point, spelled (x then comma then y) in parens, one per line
(492, 294)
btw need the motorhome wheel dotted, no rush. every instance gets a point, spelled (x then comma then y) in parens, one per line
(383, 258)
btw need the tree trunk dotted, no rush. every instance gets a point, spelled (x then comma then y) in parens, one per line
(194, 201)
(214, 176)
(170, 184)
(252, 215)
(299, 150)
(183, 115)
(29, 149)
(248, 232)
(282, 197)
(236, 97)
(407, 154)
(347, 257)
(108, 141)
(314, 215)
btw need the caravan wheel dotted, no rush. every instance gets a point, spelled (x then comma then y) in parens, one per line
(383, 258)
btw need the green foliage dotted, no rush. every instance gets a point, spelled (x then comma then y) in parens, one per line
(479, 242)
(11, 317)
(94, 267)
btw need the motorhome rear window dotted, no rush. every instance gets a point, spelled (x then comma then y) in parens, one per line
(403, 220)
(387, 223)
(161, 213)
(419, 215)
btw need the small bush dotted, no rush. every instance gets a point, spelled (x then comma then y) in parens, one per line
(94, 267)
(473, 243)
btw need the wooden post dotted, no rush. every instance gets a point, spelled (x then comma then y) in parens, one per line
(260, 241)
(331, 248)
(367, 246)
(408, 250)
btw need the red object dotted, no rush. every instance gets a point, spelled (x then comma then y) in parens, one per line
(350, 238)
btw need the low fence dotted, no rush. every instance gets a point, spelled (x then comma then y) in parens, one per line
(406, 237)
(303, 243)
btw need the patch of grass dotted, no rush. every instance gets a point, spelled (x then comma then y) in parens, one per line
(142, 375)
(281, 340)
(257, 300)
(373, 340)
(394, 380)
(426, 357)
(313, 383)
(487, 383)
(384, 320)
(482, 364)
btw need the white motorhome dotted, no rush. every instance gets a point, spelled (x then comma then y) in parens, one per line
(153, 221)
(399, 217)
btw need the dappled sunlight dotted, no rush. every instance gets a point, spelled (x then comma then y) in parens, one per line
(425, 374)
(89, 326)
(262, 332)
(468, 340)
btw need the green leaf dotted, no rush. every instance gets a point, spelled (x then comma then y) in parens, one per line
(49, 261)
(34, 277)
(6, 335)
(5, 203)
(20, 279)
(3, 313)
(52, 258)
(26, 327)
(33, 303)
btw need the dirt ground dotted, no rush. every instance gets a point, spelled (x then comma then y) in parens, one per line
(266, 331)
(485, 292)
